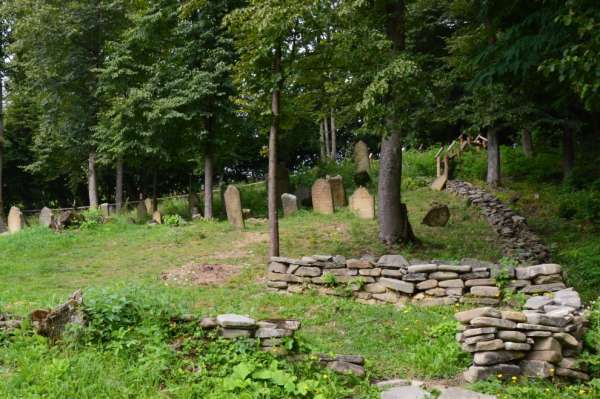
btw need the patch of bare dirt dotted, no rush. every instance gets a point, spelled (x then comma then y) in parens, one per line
(239, 249)
(200, 274)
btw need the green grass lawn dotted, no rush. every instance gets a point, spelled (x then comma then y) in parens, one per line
(39, 268)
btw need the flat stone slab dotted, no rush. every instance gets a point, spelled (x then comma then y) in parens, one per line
(408, 392)
(416, 392)
(460, 393)
(235, 321)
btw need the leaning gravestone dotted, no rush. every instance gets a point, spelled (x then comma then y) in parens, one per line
(290, 204)
(337, 191)
(46, 217)
(142, 211)
(437, 216)
(322, 197)
(16, 220)
(362, 204)
(233, 206)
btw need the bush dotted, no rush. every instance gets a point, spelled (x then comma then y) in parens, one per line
(580, 205)
(91, 218)
(175, 206)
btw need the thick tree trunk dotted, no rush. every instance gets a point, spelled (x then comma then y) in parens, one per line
(493, 158)
(394, 225)
(92, 186)
(527, 143)
(1, 153)
(322, 141)
(272, 178)
(568, 152)
(208, 185)
(333, 137)
(327, 137)
(119, 185)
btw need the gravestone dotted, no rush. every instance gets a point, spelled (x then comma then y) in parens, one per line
(233, 206)
(437, 216)
(104, 210)
(142, 211)
(290, 204)
(322, 197)
(46, 217)
(156, 217)
(149, 206)
(362, 204)
(194, 204)
(16, 220)
(283, 181)
(303, 196)
(337, 191)
(361, 157)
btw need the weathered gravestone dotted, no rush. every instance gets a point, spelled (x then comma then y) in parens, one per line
(363, 163)
(303, 196)
(142, 211)
(16, 220)
(322, 197)
(194, 204)
(362, 204)
(46, 217)
(156, 217)
(337, 191)
(290, 204)
(233, 206)
(149, 206)
(104, 210)
(437, 216)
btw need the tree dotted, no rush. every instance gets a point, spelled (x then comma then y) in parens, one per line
(3, 44)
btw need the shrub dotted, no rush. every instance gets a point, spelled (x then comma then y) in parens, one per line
(175, 206)
(173, 220)
(91, 218)
(580, 205)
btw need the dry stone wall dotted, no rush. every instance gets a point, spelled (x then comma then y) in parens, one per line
(392, 279)
(518, 241)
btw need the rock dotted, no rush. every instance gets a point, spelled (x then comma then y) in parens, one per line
(427, 284)
(337, 191)
(537, 327)
(308, 271)
(346, 368)
(514, 316)
(231, 333)
(485, 291)
(567, 297)
(576, 375)
(530, 272)
(455, 283)
(475, 275)
(496, 357)
(157, 217)
(267, 332)
(540, 289)
(276, 267)
(480, 282)
(567, 339)
(277, 284)
(480, 300)
(236, 321)
(46, 217)
(303, 196)
(376, 272)
(375, 288)
(517, 346)
(546, 356)
(468, 315)
(233, 207)
(356, 359)
(537, 302)
(397, 285)
(289, 202)
(553, 278)
(358, 264)
(52, 324)
(476, 373)
(362, 204)
(422, 268)
(454, 268)
(491, 345)
(443, 275)
(471, 332)
(437, 216)
(493, 322)
(288, 278)
(393, 273)
(16, 220)
(414, 277)
(512, 336)
(407, 392)
(544, 319)
(478, 338)
(569, 363)
(322, 197)
(536, 368)
(392, 261)
(388, 296)
(436, 292)
(545, 344)
(460, 393)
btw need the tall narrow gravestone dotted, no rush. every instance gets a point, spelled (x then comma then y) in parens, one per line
(361, 157)
(233, 206)
(321, 197)
(149, 206)
(142, 211)
(337, 191)
(104, 210)
(362, 204)
(16, 220)
(194, 205)
(290, 204)
(46, 217)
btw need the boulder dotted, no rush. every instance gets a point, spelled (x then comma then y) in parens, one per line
(437, 216)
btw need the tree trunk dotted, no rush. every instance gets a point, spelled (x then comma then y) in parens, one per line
(527, 143)
(272, 186)
(119, 186)
(493, 158)
(208, 185)
(333, 137)
(394, 225)
(92, 186)
(568, 152)
(327, 137)
(1, 151)
(322, 141)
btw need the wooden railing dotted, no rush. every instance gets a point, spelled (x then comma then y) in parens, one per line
(453, 151)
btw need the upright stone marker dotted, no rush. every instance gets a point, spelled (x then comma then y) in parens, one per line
(142, 211)
(16, 220)
(322, 197)
(303, 196)
(46, 217)
(157, 217)
(149, 206)
(233, 206)
(362, 204)
(194, 205)
(361, 157)
(337, 191)
(290, 204)
(104, 210)
(437, 216)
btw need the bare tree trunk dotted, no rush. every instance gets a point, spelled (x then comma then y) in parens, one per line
(568, 152)
(119, 186)
(92, 186)
(327, 137)
(493, 158)
(527, 143)
(393, 216)
(272, 179)
(208, 185)
(2, 227)
(322, 141)
(333, 137)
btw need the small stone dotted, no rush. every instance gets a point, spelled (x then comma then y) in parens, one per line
(457, 292)
(537, 327)
(540, 289)
(468, 315)
(567, 339)
(461, 393)
(471, 332)
(276, 267)
(437, 216)
(358, 264)
(536, 368)
(308, 271)
(375, 272)
(346, 368)
(277, 284)
(406, 392)
(517, 346)
(290, 278)
(295, 289)
(423, 268)
(514, 316)
(229, 333)
(538, 334)
(443, 275)
(356, 359)
(480, 281)
(436, 292)
(480, 301)
(493, 322)
(492, 345)
(546, 356)
(208, 322)
(272, 333)
(375, 288)
(545, 344)
(455, 283)
(537, 302)
(528, 273)
(443, 301)
(393, 273)
(395, 261)
(479, 338)
(544, 319)
(496, 357)
(270, 342)
(454, 268)
(414, 277)
(553, 278)
(512, 336)
(235, 321)
(397, 285)
(475, 275)
(568, 373)
(388, 296)
(427, 284)
(484, 291)
(475, 373)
